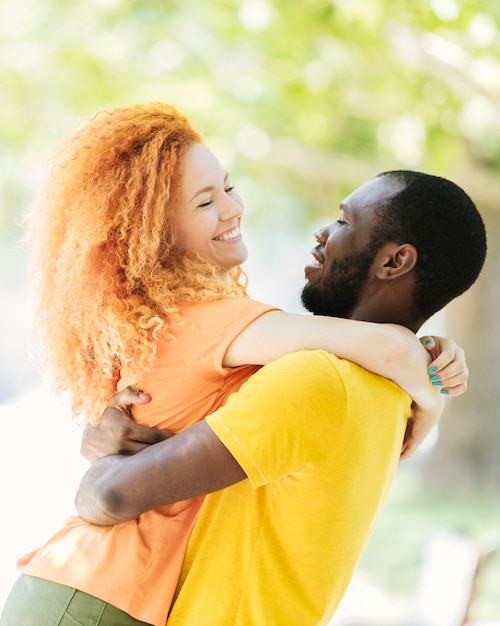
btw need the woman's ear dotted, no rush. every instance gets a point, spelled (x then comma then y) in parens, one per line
(397, 261)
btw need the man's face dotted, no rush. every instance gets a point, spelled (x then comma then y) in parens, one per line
(344, 255)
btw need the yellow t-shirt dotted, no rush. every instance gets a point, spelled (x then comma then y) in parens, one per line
(319, 439)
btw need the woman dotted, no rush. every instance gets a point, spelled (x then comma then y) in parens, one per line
(137, 244)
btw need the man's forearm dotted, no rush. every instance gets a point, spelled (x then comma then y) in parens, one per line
(193, 463)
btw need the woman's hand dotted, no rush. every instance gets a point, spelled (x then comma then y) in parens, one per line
(448, 370)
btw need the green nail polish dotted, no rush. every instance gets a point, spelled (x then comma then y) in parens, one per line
(437, 383)
(435, 379)
(427, 342)
(432, 369)
(445, 392)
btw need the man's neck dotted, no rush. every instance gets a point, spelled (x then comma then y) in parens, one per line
(385, 315)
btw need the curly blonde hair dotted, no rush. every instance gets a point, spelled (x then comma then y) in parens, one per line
(109, 281)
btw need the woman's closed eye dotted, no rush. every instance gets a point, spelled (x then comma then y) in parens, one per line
(227, 190)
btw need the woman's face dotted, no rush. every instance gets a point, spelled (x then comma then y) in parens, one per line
(209, 215)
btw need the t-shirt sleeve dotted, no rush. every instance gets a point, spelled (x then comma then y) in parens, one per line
(288, 414)
(213, 326)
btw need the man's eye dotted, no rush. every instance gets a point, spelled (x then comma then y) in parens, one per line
(340, 221)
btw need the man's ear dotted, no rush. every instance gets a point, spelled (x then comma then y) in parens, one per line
(397, 261)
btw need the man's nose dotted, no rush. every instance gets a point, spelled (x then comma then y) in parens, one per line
(321, 235)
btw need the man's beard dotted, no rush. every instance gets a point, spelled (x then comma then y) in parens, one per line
(338, 294)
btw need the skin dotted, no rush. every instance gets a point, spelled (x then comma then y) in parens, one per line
(339, 275)
(195, 462)
(210, 211)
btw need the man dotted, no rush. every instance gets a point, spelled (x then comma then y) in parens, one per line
(302, 457)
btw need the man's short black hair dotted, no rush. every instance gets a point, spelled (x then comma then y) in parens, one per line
(441, 221)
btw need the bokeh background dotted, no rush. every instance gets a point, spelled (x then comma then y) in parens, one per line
(301, 101)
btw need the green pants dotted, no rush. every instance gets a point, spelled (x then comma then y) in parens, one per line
(38, 602)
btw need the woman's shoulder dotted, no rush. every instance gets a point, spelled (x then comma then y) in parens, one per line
(238, 306)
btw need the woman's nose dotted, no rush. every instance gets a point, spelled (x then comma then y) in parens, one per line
(232, 207)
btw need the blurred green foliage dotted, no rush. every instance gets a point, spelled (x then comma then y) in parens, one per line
(317, 95)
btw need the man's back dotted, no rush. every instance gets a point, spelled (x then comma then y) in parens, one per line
(320, 441)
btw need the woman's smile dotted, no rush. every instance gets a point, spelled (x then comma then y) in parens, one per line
(229, 235)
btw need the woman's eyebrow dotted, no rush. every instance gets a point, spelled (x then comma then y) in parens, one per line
(208, 188)
(200, 191)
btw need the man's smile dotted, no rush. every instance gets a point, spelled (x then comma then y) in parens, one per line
(317, 261)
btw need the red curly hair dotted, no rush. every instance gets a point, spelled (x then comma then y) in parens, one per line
(109, 281)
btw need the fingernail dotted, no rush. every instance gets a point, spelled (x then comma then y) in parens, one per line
(428, 342)
(432, 369)
(437, 383)
(445, 392)
(435, 379)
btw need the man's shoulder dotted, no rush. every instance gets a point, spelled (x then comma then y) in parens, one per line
(308, 366)
(302, 368)
(316, 361)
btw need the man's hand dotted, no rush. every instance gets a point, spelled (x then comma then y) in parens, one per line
(421, 423)
(449, 369)
(117, 433)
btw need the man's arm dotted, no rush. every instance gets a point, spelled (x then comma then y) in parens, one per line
(119, 488)
(276, 409)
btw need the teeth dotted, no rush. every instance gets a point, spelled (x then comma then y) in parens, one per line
(228, 236)
(315, 261)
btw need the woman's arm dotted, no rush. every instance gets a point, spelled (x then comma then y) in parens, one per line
(389, 350)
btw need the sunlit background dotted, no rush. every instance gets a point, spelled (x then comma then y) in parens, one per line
(301, 101)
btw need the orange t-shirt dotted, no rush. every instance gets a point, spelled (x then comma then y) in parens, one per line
(135, 565)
